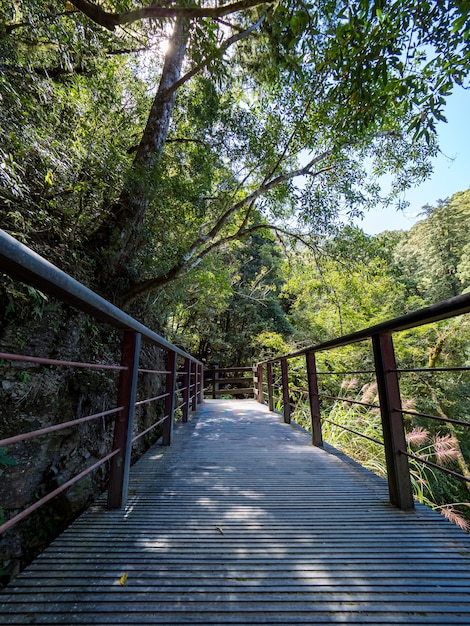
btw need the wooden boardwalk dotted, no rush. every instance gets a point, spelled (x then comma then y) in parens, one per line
(242, 521)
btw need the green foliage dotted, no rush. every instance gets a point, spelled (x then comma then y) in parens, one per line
(346, 284)
(337, 84)
(231, 308)
(434, 255)
(69, 106)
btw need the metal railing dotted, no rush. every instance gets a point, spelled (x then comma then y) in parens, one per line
(220, 381)
(386, 373)
(182, 377)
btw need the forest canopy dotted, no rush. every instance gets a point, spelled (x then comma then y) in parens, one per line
(141, 139)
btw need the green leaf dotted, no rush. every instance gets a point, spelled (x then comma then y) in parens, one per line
(48, 179)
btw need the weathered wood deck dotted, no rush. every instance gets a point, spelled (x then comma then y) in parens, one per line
(242, 521)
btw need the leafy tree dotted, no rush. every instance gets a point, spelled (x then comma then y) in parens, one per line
(69, 103)
(347, 284)
(232, 308)
(301, 91)
(434, 253)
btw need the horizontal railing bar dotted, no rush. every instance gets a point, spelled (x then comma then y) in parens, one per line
(181, 389)
(20, 262)
(43, 361)
(436, 466)
(211, 380)
(148, 400)
(345, 373)
(435, 417)
(231, 381)
(452, 307)
(228, 369)
(381, 443)
(233, 392)
(147, 430)
(51, 429)
(14, 520)
(297, 407)
(143, 371)
(433, 369)
(372, 406)
(177, 408)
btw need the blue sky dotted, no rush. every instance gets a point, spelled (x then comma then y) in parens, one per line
(451, 170)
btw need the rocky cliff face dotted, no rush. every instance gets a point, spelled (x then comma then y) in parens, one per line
(36, 396)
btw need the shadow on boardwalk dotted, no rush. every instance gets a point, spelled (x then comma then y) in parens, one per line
(242, 521)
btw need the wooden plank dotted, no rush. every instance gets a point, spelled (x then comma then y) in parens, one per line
(243, 521)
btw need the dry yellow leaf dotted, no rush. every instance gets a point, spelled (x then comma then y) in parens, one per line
(123, 579)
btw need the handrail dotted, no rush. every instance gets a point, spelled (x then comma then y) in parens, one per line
(388, 387)
(21, 263)
(434, 313)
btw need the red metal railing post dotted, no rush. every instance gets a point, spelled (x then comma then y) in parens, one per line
(120, 464)
(269, 380)
(186, 390)
(260, 384)
(193, 385)
(200, 385)
(215, 381)
(398, 473)
(170, 389)
(285, 390)
(314, 401)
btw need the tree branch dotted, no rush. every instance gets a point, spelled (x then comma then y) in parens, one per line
(160, 11)
(241, 234)
(194, 255)
(267, 186)
(288, 142)
(218, 53)
(183, 267)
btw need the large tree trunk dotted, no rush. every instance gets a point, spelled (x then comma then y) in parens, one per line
(118, 238)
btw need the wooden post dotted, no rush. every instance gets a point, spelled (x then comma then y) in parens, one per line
(314, 401)
(200, 385)
(260, 384)
(398, 473)
(285, 390)
(255, 381)
(170, 389)
(215, 381)
(193, 385)
(186, 390)
(124, 424)
(269, 380)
